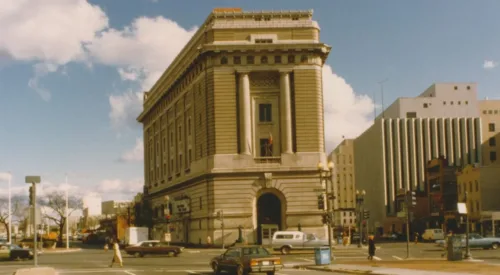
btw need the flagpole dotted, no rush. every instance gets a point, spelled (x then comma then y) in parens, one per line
(67, 220)
(10, 209)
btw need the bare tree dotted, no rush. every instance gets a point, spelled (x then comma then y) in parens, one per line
(18, 204)
(57, 203)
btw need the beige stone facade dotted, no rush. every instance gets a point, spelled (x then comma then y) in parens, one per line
(344, 187)
(490, 116)
(236, 124)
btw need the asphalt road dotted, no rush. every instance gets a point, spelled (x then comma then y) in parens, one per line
(96, 261)
(195, 261)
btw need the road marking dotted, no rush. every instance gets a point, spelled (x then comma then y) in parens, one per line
(191, 251)
(397, 258)
(128, 272)
(307, 260)
(377, 258)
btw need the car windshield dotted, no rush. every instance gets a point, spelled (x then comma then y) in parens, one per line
(259, 251)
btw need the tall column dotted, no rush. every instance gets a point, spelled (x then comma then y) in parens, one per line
(286, 113)
(245, 115)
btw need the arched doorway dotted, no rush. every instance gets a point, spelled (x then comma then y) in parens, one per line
(269, 212)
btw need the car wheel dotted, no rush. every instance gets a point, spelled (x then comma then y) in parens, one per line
(239, 270)
(138, 254)
(285, 250)
(494, 246)
(215, 268)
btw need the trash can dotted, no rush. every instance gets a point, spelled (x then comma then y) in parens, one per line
(322, 255)
(454, 248)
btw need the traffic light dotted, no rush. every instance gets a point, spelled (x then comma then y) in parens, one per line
(31, 196)
(321, 202)
(366, 215)
(167, 218)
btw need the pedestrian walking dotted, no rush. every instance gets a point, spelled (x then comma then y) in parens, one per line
(416, 237)
(117, 255)
(371, 247)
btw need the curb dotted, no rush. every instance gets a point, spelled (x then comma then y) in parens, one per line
(339, 270)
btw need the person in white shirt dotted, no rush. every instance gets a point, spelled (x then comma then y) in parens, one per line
(117, 255)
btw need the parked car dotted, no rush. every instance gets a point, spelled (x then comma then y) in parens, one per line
(285, 241)
(246, 259)
(13, 252)
(475, 241)
(153, 248)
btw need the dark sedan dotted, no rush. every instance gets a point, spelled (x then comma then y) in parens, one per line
(153, 248)
(246, 259)
(13, 252)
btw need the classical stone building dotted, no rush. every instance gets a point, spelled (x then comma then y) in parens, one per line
(235, 126)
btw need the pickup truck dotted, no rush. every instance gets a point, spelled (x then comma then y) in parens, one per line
(286, 241)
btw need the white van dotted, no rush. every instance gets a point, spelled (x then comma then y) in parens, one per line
(285, 241)
(433, 234)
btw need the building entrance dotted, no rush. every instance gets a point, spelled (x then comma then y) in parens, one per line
(268, 214)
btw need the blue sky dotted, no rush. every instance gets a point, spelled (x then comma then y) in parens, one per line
(65, 108)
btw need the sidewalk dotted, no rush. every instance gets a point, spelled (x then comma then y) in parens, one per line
(411, 267)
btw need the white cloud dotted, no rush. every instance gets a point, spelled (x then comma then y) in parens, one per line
(135, 154)
(142, 52)
(346, 113)
(5, 176)
(490, 64)
(119, 189)
(49, 31)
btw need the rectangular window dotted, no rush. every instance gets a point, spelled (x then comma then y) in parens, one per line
(492, 141)
(189, 156)
(180, 133)
(491, 127)
(250, 59)
(237, 60)
(265, 112)
(277, 59)
(164, 169)
(189, 126)
(411, 114)
(180, 162)
(493, 156)
(201, 205)
(477, 186)
(171, 165)
(266, 149)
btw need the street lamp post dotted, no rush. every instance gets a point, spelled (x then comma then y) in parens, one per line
(360, 198)
(67, 213)
(10, 209)
(467, 256)
(327, 176)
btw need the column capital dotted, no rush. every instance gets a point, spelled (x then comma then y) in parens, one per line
(243, 71)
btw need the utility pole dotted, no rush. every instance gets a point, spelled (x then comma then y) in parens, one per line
(467, 256)
(222, 226)
(67, 212)
(410, 202)
(33, 180)
(329, 197)
(10, 209)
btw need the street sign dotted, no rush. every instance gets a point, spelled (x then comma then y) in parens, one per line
(168, 237)
(32, 179)
(402, 214)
